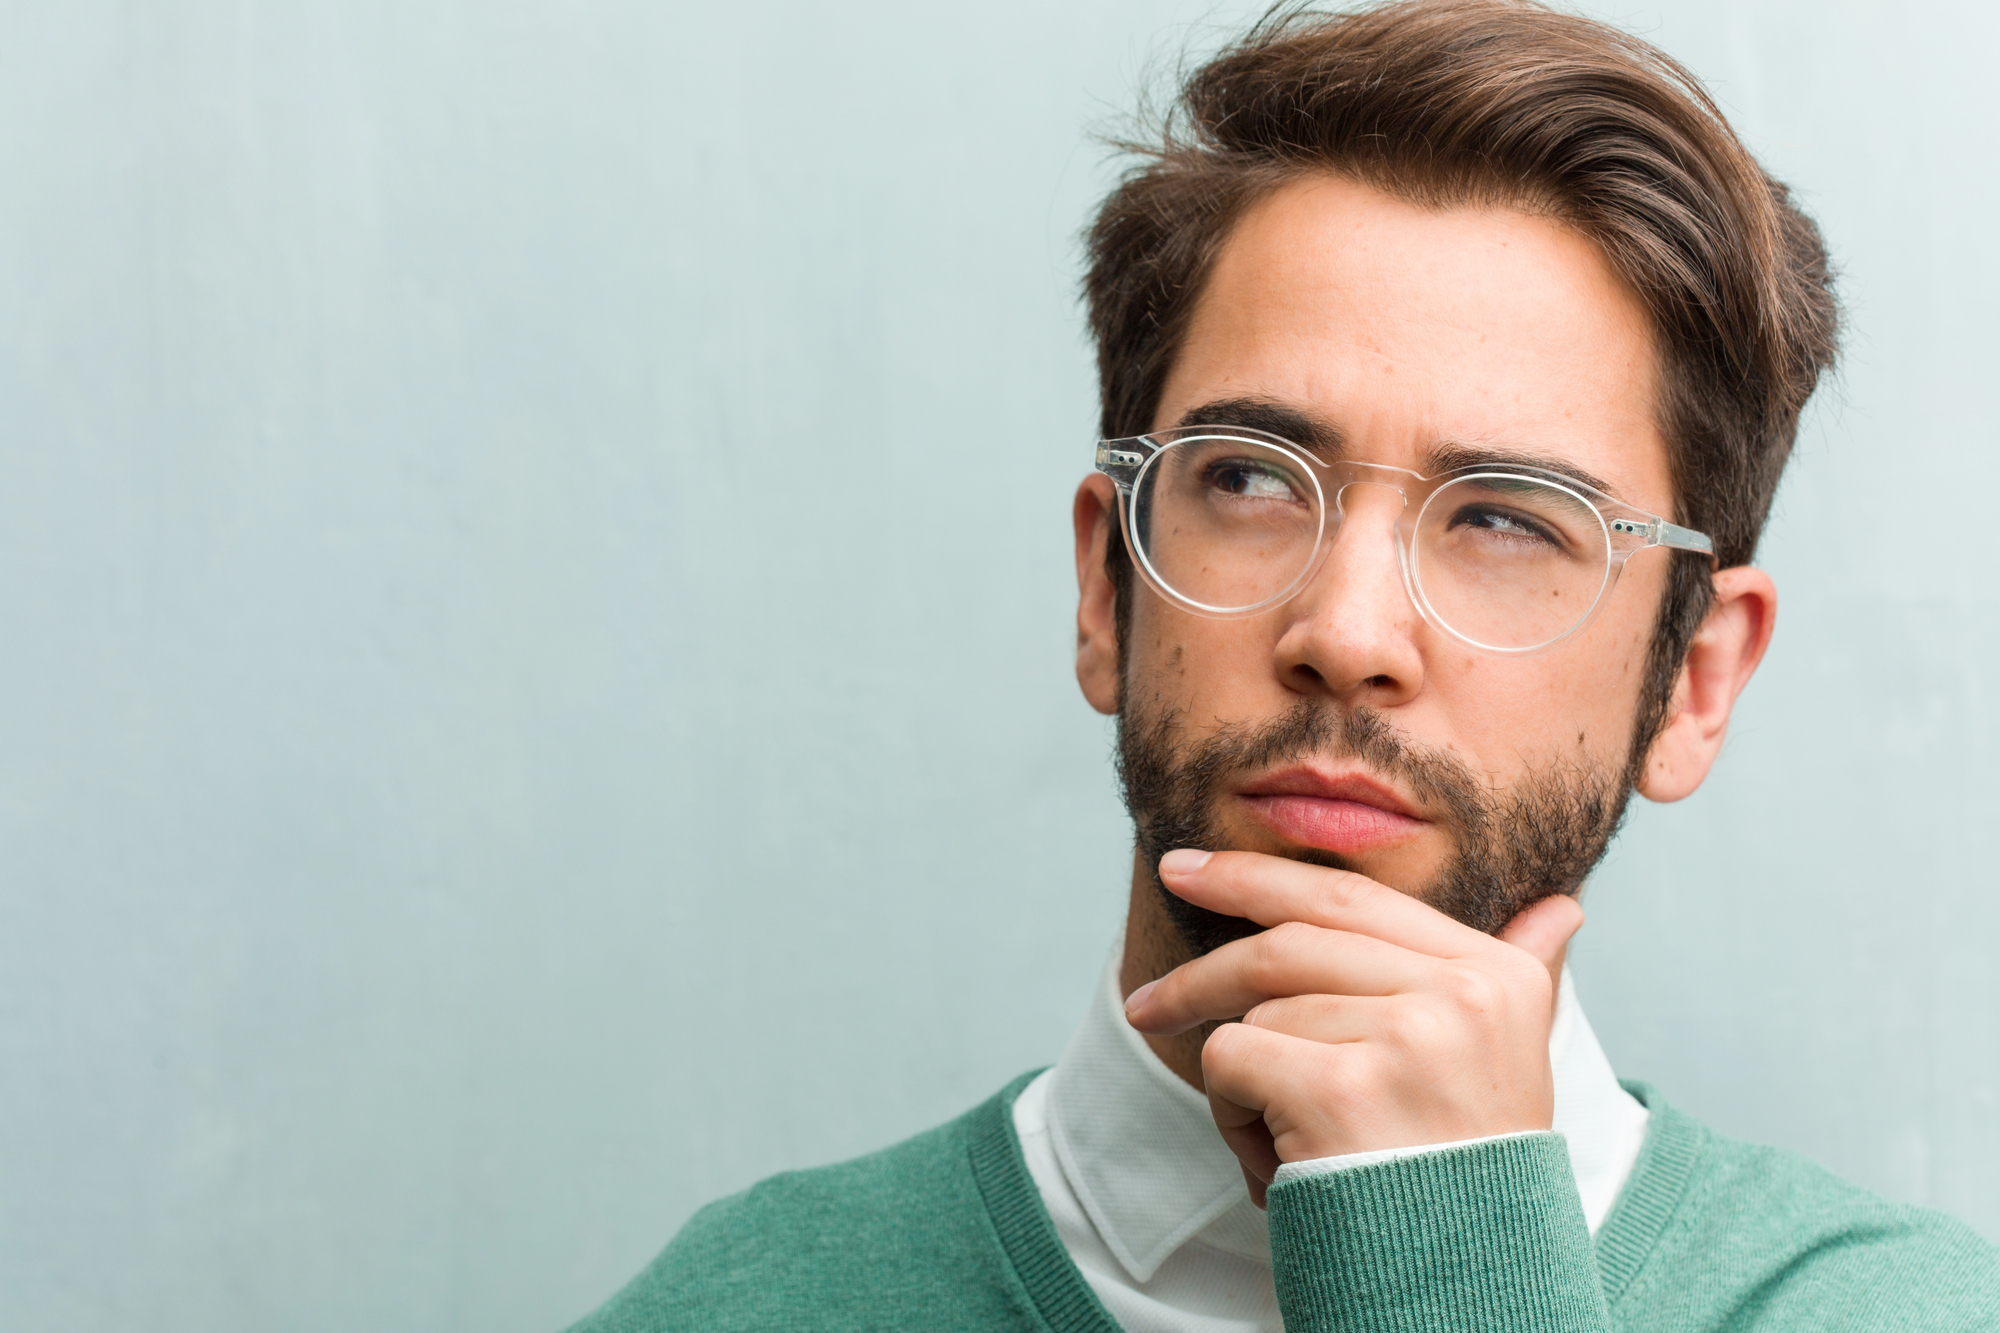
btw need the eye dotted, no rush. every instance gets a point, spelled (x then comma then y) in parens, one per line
(1505, 524)
(1250, 479)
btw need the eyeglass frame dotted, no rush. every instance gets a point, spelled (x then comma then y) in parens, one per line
(1627, 528)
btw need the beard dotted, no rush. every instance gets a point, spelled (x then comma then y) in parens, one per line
(1511, 848)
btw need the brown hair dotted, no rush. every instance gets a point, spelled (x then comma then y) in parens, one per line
(1498, 102)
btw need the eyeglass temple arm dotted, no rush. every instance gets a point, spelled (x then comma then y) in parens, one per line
(1682, 539)
(1659, 532)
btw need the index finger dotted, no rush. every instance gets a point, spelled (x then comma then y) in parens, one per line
(1270, 890)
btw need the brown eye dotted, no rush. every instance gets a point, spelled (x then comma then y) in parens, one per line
(1249, 479)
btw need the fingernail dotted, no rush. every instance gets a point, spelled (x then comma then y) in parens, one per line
(1138, 997)
(1183, 861)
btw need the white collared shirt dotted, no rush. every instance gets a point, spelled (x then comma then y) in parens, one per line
(1151, 1204)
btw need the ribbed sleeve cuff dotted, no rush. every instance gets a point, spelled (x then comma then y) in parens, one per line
(1485, 1237)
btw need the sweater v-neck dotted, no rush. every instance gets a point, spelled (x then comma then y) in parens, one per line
(1060, 1298)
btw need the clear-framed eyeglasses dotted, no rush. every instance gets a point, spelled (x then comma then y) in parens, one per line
(1226, 521)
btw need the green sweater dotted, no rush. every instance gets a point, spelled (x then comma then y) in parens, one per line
(946, 1231)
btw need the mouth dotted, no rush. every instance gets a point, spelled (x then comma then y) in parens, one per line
(1342, 813)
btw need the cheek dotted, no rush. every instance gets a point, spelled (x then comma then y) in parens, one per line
(1208, 670)
(1575, 702)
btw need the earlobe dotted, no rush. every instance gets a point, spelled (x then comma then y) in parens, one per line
(1092, 515)
(1726, 650)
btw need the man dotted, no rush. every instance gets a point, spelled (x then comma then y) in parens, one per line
(1450, 354)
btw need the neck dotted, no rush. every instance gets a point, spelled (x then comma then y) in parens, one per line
(1153, 948)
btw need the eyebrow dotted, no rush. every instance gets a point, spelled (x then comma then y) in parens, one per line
(1452, 456)
(1314, 434)
(1323, 438)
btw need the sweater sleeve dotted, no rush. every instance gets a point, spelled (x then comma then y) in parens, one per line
(1314, 1166)
(1489, 1236)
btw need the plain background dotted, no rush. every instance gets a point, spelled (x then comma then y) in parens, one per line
(536, 600)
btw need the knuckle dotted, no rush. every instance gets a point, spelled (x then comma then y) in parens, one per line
(1344, 891)
(1274, 948)
(1418, 1028)
(1474, 990)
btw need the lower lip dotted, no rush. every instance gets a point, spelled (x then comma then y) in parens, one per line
(1331, 825)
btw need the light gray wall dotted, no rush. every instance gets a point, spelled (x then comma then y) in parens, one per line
(534, 616)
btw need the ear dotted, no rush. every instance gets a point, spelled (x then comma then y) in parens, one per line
(1725, 651)
(1093, 514)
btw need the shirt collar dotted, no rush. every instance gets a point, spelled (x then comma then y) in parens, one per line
(1141, 1151)
(1138, 1144)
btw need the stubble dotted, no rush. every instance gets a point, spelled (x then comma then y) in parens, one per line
(1511, 848)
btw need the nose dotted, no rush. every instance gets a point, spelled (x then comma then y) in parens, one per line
(1352, 636)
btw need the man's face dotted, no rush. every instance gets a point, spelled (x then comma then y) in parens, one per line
(1340, 727)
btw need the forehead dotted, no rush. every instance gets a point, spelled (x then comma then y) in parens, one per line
(1406, 329)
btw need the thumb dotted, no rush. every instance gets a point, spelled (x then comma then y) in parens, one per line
(1543, 930)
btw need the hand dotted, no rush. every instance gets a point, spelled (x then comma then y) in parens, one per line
(1369, 1019)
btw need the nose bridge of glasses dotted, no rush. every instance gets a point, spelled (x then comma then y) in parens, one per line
(1385, 494)
(1367, 480)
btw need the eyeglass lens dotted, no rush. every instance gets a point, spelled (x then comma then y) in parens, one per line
(1506, 561)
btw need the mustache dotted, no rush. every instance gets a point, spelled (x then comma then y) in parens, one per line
(1438, 779)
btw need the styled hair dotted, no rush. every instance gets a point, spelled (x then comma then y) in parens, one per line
(1448, 103)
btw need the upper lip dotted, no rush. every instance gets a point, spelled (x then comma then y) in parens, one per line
(1352, 786)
